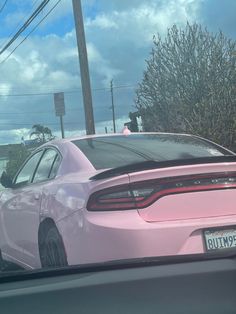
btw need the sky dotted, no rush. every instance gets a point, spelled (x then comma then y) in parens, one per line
(119, 36)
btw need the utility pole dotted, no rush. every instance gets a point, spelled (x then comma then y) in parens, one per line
(62, 127)
(113, 108)
(84, 67)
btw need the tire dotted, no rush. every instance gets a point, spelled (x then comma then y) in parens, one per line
(51, 249)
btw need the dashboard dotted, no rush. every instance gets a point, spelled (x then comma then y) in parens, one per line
(201, 286)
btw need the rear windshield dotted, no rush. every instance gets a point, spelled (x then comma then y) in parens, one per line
(116, 151)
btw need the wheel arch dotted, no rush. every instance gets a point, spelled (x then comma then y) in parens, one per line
(44, 227)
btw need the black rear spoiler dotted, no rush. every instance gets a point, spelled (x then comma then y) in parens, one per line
(152, 164)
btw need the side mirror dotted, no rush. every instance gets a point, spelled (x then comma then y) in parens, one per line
(5, 180)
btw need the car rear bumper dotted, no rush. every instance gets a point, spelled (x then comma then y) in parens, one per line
(97, 237)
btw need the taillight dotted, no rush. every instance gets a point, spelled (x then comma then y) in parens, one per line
(142, 194)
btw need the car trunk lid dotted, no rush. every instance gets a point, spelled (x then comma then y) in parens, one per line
(187, 192)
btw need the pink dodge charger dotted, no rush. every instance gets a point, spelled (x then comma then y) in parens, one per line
(109, 197)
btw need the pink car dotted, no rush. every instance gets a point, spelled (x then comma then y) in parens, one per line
(110, 197)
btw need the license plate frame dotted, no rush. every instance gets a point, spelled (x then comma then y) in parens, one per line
(219, 232)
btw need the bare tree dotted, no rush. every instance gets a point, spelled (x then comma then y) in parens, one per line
(189, 85)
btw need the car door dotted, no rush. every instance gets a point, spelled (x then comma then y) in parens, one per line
(29, 203)
(13, 219)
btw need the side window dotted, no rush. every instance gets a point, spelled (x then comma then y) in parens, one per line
(55, 167)
(43, 171)
(26, 173)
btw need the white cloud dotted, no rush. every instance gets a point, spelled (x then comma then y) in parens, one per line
(68, 54)
(101, 66)
(24, 8)
(13, 136)
(102, 22)
(119, 39)
(12, 19)
(5, 88)
(100, 128)
(34, 68)
(36, 64)
(139, 23)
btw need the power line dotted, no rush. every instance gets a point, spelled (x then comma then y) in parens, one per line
(67, 92)
(3, 6)
(51, 112)
(25, 25)
(30, 124)
(19, 23)
(31, 32)
(77, 89)
(49, 123)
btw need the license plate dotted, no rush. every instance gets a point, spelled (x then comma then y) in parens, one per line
(220, 239)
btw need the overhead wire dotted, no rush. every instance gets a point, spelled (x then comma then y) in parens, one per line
(36, 26)
(67, 92)
(47, 123)
(19, 22)
(50, 112)
(3, 6)
(25, 25)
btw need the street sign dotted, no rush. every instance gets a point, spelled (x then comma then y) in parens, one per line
(59, 104)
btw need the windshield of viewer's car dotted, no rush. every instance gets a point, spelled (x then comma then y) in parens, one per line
(117, 131)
